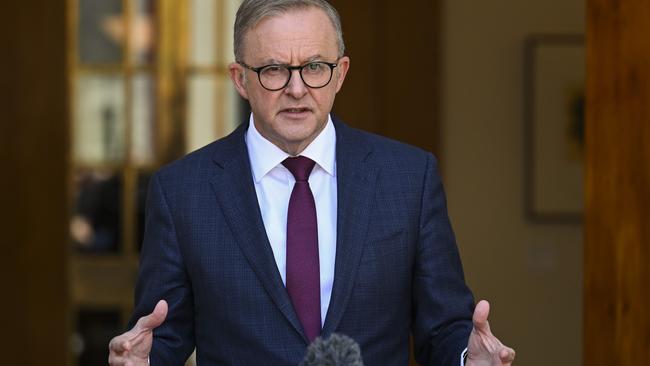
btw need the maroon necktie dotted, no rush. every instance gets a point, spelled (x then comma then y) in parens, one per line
(303, 273)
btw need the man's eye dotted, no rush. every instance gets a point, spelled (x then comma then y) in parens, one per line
(272, 70)
(313, 67)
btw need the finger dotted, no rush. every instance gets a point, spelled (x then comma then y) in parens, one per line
(154, 319)
(120, 343)
(114, 360)
(480, 318)
(507, 355)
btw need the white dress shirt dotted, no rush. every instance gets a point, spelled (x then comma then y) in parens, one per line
(273, 185)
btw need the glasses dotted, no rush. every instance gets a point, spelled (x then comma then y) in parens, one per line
(315, 75)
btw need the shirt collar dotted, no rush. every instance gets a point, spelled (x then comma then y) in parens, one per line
(264, 155)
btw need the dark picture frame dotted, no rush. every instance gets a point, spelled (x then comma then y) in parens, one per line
(554, 127)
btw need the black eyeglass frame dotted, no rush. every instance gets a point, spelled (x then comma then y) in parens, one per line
(258, 71)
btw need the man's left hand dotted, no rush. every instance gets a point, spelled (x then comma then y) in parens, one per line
(483, 348)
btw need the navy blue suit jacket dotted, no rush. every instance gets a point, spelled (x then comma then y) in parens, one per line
(397, 268)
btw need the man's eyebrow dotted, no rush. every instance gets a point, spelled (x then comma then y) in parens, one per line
(273, 61)
(314, 58)
(268, 61)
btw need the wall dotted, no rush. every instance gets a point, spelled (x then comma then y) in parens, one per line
(531, 273)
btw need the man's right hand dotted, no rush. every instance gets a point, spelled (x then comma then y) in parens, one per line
(133, 347)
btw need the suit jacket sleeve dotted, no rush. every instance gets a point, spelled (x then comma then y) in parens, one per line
(442, 303)
(163, 276)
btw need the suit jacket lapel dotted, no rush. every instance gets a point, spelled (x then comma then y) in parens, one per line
(356, 178)
(233, 185)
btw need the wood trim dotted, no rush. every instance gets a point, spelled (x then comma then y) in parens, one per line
(33, 154)
(393, 87)
(617, 217)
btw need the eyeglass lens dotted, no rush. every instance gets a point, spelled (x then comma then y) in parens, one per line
(314, 74)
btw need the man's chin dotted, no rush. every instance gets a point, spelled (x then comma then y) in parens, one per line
(294, 141)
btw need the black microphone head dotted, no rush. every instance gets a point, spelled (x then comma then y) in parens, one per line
(337, 350)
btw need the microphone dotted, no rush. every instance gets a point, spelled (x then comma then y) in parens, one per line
(337, 350)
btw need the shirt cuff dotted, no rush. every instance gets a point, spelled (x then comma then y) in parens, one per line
(463, 357)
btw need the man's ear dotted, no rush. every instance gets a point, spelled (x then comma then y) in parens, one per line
(342, 70)
(238, 75)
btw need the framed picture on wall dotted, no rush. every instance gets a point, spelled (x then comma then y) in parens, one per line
(554, 127)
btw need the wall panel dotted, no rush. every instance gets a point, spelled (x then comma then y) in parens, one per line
(33, 155)
(393, 85)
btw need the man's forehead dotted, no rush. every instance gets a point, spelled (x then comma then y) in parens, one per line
(304, 34)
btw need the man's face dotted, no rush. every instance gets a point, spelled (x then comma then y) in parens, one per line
(291, 117)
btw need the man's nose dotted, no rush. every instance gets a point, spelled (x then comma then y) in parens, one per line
(296, 87)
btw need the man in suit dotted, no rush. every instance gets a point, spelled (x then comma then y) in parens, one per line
(297, 226)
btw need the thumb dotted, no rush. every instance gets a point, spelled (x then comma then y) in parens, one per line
(507, 355)
(154, 319)
(480, 318)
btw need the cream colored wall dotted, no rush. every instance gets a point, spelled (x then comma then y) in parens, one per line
(531, 273)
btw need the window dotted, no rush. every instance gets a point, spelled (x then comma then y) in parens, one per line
(149, 83)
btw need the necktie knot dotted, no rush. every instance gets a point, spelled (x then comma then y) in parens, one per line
(300, 167)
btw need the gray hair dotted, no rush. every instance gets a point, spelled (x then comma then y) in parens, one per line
(251, 12)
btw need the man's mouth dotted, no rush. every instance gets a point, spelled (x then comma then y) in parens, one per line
(295, 110)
